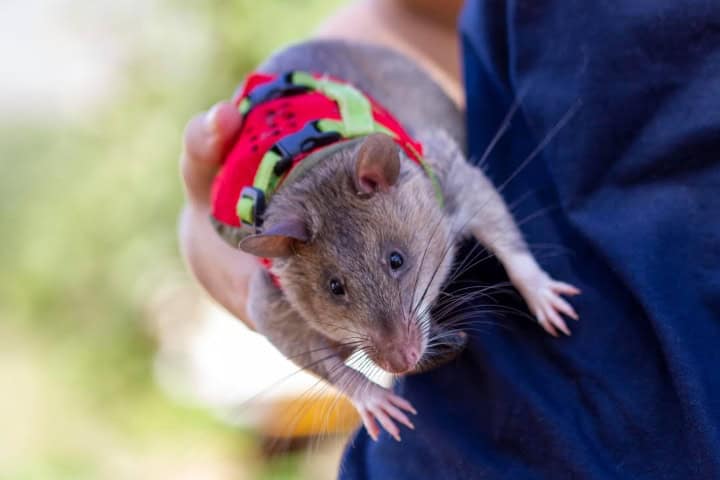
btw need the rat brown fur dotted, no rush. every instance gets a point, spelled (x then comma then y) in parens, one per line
(361, 244)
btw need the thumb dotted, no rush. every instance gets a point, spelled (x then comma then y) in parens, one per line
(206, 141)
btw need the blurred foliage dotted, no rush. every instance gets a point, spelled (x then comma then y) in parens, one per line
(88, 212)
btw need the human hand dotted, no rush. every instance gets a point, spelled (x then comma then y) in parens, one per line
(223, 271)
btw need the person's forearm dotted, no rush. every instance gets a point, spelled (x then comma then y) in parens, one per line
(224, 272)
(421, 29)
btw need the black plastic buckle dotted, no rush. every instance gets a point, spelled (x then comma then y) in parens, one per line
(304, 140)
(258, 200)
(280, 87)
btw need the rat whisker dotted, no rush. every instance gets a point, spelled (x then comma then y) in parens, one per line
(536, 214)
(468, 261)
(459, 323)
(446, 250)
(456, 299)
(422, 260)
(543, 143)
(311, 398)
(462, 322)
(478, 287)
(435, 271)
(406, 321)
(343, 328)
(520, 199)
(504, 125)
(329, 347)
(284, 379)
(471, 292)
(468, 310)
(302, 403)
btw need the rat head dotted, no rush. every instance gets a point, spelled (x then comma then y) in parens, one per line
(361, 246)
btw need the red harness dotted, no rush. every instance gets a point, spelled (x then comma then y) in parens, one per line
(270, 120)
(286, 118)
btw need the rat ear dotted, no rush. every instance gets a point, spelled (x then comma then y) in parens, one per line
(377, 164)
(276, 241)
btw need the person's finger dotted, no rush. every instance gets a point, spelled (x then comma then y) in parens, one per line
(207, 138)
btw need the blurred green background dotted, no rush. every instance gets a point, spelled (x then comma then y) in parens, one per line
(95, 95)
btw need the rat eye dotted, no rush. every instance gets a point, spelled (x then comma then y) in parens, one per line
(396, 260)
(336, 287)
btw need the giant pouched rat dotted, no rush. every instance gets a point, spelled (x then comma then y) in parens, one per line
(361, 245)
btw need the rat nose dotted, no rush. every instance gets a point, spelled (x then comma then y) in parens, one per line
(398, 349)
(400, 359)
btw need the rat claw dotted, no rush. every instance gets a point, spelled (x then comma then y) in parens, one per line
(557, 321)
(564, 307)
(370, 425)
(547, 326)
(387, 423)
(380, 405)
(402, 403)
(565, 288)
(398, 415)
(542, 295)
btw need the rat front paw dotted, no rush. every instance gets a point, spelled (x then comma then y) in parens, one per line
(547, 305)
(377, 404)
(543, 297)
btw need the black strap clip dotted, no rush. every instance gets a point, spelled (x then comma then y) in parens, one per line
(280, 87)
(304, 140)
(258, 204)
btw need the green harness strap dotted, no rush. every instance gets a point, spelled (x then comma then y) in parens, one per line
(355, 109)
(357, 121)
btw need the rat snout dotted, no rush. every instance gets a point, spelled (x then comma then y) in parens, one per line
(400, 360)
(401, 352)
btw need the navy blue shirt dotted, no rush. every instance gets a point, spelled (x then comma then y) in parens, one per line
(624, 203)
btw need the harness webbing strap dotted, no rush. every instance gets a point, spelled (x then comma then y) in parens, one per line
(356, 120)
(355, 109)
(265, 180)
